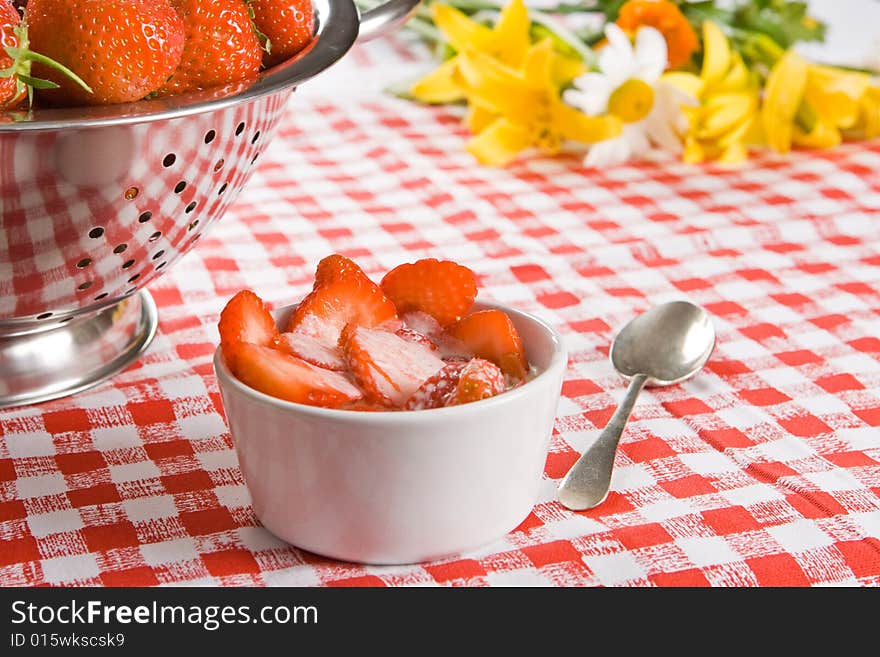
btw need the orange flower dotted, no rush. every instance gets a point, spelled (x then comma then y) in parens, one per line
(681, 40)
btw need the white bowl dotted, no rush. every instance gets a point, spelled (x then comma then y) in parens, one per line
(398, 486)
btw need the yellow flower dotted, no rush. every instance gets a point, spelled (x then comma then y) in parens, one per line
(507, 41)
(520, 107)
(813, 106)
(868, 124)
(725, 119)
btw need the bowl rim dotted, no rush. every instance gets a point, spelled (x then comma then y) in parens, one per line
(558, 360)
(337, 23)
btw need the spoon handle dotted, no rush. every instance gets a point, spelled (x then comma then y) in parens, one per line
(587, 482)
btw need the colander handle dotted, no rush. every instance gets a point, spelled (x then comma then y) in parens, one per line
(385, 18)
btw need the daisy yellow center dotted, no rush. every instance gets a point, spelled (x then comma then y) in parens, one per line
(631, 101)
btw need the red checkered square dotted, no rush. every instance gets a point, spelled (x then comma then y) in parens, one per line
(871, 416)
(645, 535)
(18, 550)
(138, 576)
(169, 449)
(208, 521)
(151, 412)
(80, 462)
(690, 578)
(74, 419)
(730, 520)
(96, 494)
(764, 396)
(230, 562)
(106, 537)
(648, 450)
(862, 557)
(7, 470)
(551, 553)
(187, 481)
(459, 570)
(688, 487)
(778, 570)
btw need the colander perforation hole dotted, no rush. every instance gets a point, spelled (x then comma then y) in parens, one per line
(43, 316)
(145, 217)
(254, 160)
(209, 136)
(158, 254)
(101, 296)
(96, 232)
(155, 236)
(128, 264)
(134, 278)
(85, 262)
(131, 193)
(219, 165)
(179, 187)
(256, 137)
(222, 189)
(160, 265)
(84, 286)
(191, 207)
(240, 129)
(192, 225)
(65, 320)
(130, 290)
(120, 248)
(169, 160)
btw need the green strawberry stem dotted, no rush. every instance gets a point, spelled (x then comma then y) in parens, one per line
(22, 58)
(264, 40)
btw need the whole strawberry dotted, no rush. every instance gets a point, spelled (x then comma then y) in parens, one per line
(288, 25)
(11, 92)
(123, 49)
(16, 61)
(221, 46)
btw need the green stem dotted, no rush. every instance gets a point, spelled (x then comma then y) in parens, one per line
(565, 35)
(51, 63)
(424, 28)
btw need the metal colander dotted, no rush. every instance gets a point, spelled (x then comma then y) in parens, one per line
(96, 203)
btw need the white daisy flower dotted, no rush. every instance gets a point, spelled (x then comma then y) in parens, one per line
(629, 85)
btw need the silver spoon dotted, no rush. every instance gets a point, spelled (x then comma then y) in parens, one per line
(663, 346)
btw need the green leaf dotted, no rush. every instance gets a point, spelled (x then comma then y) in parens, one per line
(37, 83)
(785, 22)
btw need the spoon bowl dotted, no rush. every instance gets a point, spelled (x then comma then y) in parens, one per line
(668, 343)
(663, 346)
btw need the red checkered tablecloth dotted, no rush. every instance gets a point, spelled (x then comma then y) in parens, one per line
(762, 471)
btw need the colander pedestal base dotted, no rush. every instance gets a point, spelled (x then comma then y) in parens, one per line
(76, 355)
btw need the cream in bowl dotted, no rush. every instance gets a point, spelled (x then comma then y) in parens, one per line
(389, 484)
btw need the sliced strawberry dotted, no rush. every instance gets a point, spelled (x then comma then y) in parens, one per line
(490, 334)
(340, 299)
(387, 368)
(391, 325)
(245, 318)
(311, 350)
(281, 375)
(439, 390)
(415, 336)
(334, 267)
(421, 322)
(442, 288)
(479, 379)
